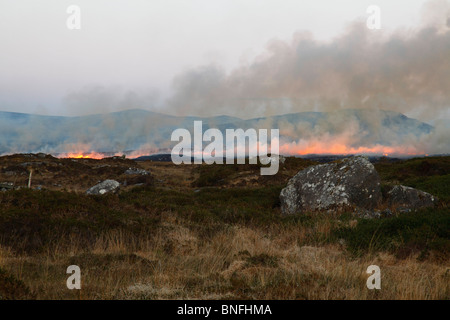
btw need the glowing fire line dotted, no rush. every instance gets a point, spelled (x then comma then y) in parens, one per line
(285, 149)
(342, 149)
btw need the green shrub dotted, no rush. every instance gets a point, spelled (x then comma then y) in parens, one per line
(407, 233)
(12, 288)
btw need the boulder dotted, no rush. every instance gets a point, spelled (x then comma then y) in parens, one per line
(405, 199)
(348, 183)
(104, 187)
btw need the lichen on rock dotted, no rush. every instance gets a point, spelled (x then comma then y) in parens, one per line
(349, 183)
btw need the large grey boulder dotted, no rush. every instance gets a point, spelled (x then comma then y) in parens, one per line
(351, 183)
(104, 187)
(402, 198)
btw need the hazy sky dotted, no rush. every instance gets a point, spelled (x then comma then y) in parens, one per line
(128, 53)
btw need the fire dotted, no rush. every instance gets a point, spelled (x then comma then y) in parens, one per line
(299, 148)
(342, 149)
(82, 155)
(101, 155)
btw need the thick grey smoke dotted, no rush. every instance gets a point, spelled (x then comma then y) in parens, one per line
(407, 71)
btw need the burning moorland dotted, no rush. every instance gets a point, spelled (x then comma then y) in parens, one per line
(137, 133)
(141, 227)
(210, 232)
(87, 128)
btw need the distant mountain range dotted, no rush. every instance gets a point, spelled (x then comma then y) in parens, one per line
(144, 130)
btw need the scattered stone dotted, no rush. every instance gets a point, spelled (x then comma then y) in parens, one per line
(104, 187)
(366, 214)
(369, 214)
(5, 186)
(281, 159)
(122, 157)
(136, 171)
(386, 213)
(403, 210)
(30, 164)
(349, 183)
(406, 199)
(267, 159)
(139, 184)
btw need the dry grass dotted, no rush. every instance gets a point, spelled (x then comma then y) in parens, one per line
(236, 263)
(218, 237)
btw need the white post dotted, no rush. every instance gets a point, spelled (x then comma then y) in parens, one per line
(29, 178)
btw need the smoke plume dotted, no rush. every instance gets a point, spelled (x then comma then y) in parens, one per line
(407, 71)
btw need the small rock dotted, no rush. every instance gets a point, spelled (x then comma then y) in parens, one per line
(386, 213)
(4, 186)
(139, 184)
(104, 187)
(136, 171)
(367, 214)
(30, 164)
(403, 210)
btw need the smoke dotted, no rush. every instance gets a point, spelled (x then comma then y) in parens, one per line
(96, 99)
(407, 71)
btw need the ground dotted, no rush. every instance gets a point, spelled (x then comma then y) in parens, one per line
(210, 232)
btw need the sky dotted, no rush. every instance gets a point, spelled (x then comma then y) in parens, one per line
(209, 57)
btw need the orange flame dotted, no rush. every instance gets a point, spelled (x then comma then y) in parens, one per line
(342, 149)
(299, 148)
(99, 155)
(82, 155)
